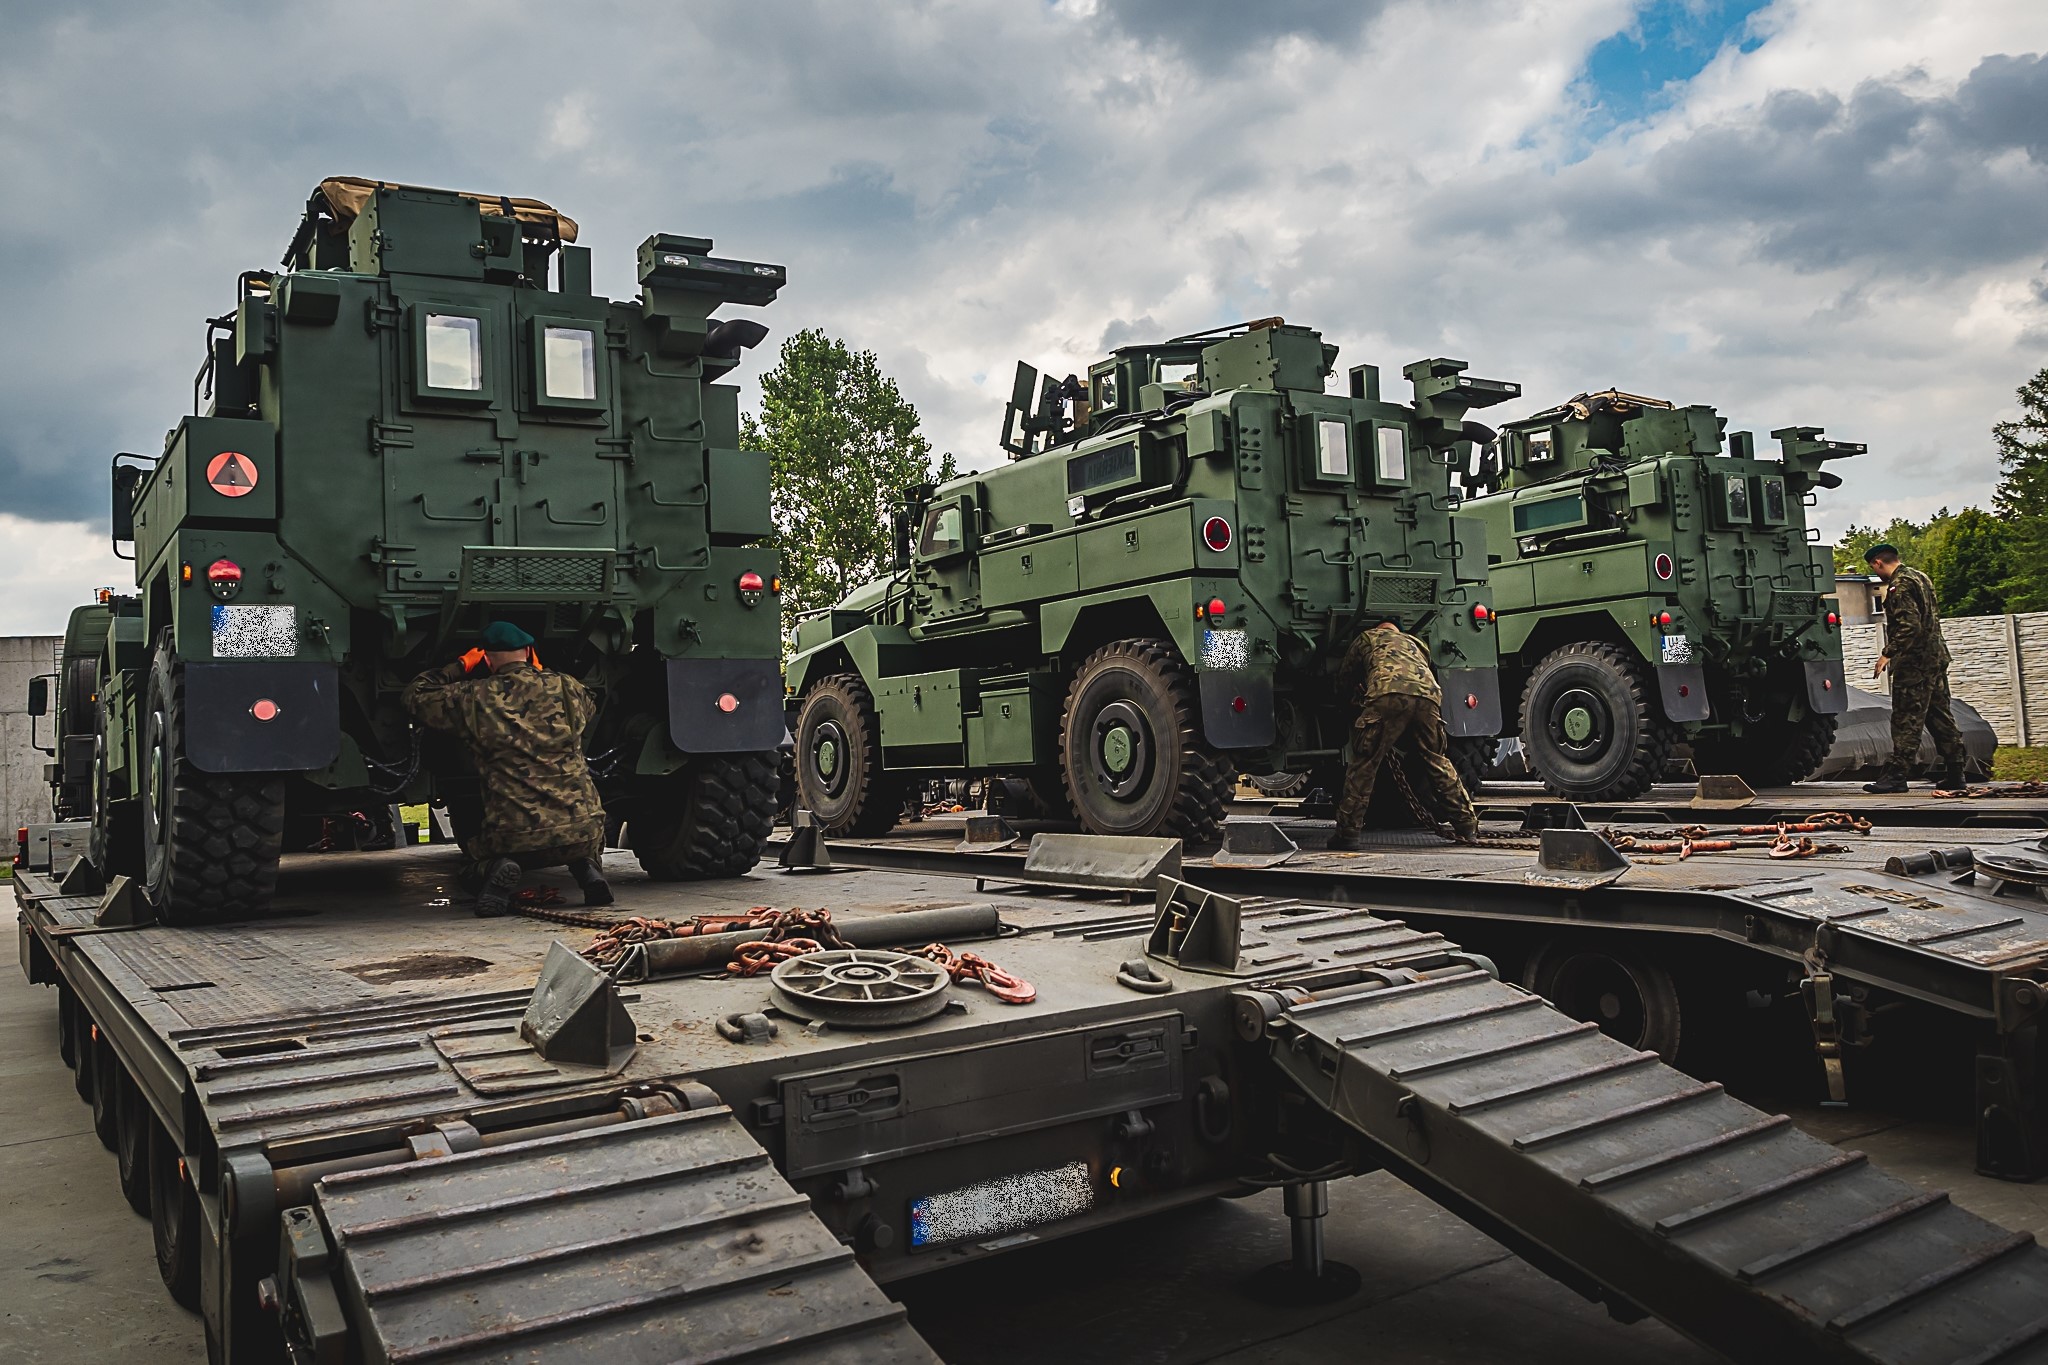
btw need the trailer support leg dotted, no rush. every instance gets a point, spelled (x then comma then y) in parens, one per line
(1309, 1275)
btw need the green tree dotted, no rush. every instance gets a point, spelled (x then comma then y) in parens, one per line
(842, 441)
(1915, 541)
(2022, 496)
(1972, 564)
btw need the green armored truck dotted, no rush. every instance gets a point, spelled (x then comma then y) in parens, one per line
(425, 421)
(1153, 593)
(1657, 583)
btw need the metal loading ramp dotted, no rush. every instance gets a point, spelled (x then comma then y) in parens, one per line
(657, 1240)
(1639, 1185)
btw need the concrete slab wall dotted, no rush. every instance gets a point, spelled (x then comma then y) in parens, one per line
(1998, 664)
(24, 793)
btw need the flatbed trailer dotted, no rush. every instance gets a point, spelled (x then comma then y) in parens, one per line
(1895, 914)
(2002, 805)
(358, 1146)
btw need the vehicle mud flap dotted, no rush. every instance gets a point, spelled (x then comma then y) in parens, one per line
(1237, 708)
(657, 1239)
(1682, 690)
(1637, 1184)
(1471, 701)
(725, 706)
(1827, 687)
(223, 732)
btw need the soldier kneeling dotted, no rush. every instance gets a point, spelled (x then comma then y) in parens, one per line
(1400, 707)
(523, 726)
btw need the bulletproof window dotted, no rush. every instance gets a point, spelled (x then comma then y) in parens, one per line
(944, 533)
(1101, 468)
(1391, 457)
(1774, 500)
(454, 356)
(1105, 391)
(1550, 514)
(1539, 446)
(1333, 448)
(568, 363)
(1738, 499)
(1178, 373)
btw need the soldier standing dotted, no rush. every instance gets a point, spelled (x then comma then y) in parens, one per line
(1399, 707)
(1917, 657)
(523, 726)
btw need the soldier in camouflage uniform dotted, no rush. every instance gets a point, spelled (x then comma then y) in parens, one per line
(1399, 715)
(523, 725)
(1918, 659)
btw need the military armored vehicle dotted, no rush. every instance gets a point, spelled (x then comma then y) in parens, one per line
(1154, 592)
(69, 698)
(1657, 583)
(425, 421)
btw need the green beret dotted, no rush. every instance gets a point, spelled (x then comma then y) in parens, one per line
(502, 637)
(1883, 548)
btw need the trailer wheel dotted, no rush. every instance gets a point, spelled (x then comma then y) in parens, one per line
(839, 774)
(710, 821)
(1131, 744)
(67, 1026)
(82, 1050)
(1632, 999)
(106, 1094)
(173, 1218)
(132, 1122)
(1591, 725)
(1774, 754)
(1472, 756)
(210, 840)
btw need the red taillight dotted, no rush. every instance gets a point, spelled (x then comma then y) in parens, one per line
(1216, 608)
(728, 703)
(1664, 618)
(1664, 567)
(751, 582)
(1827, 684)
(21, 846)
(263, 708)
(1216, 534)
(1471, 701)
(1482, 612)
(1834, 620)
(223, 571)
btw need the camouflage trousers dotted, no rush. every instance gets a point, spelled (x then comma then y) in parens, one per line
(1406, 730)
(1920, 701)
(471, 877)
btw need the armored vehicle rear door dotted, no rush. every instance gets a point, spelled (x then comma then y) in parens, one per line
(1322, 551)
(563, 489)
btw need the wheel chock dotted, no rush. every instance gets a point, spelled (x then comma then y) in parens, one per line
(1254, 843)
(1722, 791)
(804, 850)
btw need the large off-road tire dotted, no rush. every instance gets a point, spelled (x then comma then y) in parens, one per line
(173, 1218)
(1278, 784)
(210, 841)
(107, 1077)
(710, 821)
(132, 1122)
(1132, 748)
(1771, 754)
(1631, 998)
(114, 844)
(1592, 727)
(1472, 756)
(839, 776)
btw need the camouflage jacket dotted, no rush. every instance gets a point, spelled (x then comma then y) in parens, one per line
(524, 729)
(1388, 663)
(1912, 625)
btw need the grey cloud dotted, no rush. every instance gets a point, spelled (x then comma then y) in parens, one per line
(1214, 34)
(1920, 184)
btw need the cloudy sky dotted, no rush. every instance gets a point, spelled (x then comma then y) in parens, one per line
(1809, 211)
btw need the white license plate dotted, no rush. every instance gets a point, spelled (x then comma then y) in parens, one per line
(1677, 649)
(990, 1208)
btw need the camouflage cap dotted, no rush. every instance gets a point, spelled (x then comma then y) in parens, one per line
(502, 637)
(1884, 549)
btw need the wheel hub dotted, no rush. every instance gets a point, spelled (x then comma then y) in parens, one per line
(1578, 725)
(1123, 749)
(828, 754)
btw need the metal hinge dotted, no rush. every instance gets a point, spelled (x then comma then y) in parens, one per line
(389, 436)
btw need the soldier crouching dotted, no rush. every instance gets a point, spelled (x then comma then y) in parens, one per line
(1400, 708)
(523, 727)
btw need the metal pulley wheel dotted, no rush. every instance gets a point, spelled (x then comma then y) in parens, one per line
(859, 987)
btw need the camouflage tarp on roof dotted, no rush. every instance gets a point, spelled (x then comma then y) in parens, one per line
(346, 195)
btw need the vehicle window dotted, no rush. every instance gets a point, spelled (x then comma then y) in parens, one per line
(1105, 391)
(569, 363)
(1774, 499)
(942, 532)
(455, 352)
(1738, 499)
(1392, 455)
(1178, 373)
(1538, 446)
(1333, 447)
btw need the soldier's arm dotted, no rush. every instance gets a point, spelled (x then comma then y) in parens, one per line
(431, 699)
(1905, 629)
(581, 707)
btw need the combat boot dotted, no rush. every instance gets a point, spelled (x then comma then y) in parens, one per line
(1343, 841)
(1466, 834)
(1955, 778)
(500, 884)
(1888, 782)
(596, 890)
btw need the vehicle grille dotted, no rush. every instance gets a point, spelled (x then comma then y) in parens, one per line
(1400, 589)
(535, 574)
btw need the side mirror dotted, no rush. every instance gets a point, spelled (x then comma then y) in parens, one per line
(900, 525)
(39, 696)
(126, 479)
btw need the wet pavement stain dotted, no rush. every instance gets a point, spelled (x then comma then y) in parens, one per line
(418, 967)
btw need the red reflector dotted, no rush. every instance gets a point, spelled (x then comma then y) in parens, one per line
(223, 571)
(750, 582)
(264, 709)
(1217, 608)
(1471, 701)
(1664, 566)
(1237, 704)
(1216, 534)
(1684, 689)
(1827, 684)
(728, 703)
